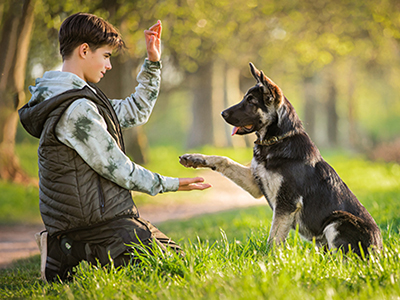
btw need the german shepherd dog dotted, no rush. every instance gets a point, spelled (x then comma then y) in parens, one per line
(287, 169)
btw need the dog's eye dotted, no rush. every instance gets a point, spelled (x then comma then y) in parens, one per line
(252, 100)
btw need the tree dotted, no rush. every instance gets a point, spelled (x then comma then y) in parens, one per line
(217, 38)
(208, 39)
(315, 40)
(17, 23)
(16, 27)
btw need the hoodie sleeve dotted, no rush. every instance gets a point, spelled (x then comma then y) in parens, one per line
(82, 128)
(136, 109)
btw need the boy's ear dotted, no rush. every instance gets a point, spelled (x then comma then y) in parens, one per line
(83, 50)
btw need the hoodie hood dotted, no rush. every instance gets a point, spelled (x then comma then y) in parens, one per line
(52, 84)
(33, 115)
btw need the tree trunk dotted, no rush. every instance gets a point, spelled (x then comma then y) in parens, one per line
(233, 95)
(352, 114)
(225, 92)
(332, 116)
(218, 94)
(310, 107)
(15, 39)
(202, 124)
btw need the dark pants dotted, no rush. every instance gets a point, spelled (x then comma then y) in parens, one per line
(98, 244)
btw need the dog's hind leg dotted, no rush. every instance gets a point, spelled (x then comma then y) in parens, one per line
(344, 230)
(236, 172)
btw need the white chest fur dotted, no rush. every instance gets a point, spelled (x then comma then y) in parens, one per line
(270, 182)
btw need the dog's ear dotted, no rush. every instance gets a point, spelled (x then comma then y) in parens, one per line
(258, 76)
(255, 72)
(272, 89)
(269, 87)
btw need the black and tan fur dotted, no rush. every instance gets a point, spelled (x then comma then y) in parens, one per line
(287, 169)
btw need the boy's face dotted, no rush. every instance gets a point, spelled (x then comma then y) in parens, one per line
(97, 64)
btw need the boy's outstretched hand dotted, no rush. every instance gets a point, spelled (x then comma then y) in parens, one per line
(190, 184)
(153, 41)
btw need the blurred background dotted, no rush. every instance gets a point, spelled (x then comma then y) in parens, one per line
(338, 62)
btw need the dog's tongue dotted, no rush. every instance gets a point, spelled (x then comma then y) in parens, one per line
(234, 130)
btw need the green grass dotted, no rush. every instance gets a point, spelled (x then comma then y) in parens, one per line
(20, 203)
(227, 258)
(27, 155)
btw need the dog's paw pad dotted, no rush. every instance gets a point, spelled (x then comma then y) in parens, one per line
(192, 161)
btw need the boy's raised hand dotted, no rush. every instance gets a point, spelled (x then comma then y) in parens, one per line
(153, 41)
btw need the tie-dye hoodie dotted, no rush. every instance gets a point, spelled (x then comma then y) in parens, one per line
(82, 128)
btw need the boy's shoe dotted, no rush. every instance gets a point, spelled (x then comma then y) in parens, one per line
(41, 241)
(54, 263)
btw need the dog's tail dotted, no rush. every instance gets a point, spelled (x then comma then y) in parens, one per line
(343, 230)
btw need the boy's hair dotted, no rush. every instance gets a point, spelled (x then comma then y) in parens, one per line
(82, 28)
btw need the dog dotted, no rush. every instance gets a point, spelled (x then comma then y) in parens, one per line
(301, 188)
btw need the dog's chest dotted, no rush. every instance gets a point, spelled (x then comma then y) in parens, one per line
(269, 182)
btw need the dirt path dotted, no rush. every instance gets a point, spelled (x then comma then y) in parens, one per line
(18, 242)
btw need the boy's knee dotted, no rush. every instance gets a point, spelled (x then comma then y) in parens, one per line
(63, 255)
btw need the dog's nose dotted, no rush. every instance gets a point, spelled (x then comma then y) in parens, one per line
(225, 114)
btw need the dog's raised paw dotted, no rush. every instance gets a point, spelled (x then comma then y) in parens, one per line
(193, 161)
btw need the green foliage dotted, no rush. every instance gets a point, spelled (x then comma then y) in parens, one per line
(289, 40)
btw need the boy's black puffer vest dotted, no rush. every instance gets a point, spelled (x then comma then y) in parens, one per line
(72, 195)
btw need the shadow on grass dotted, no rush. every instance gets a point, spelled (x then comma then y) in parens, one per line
(22, 273)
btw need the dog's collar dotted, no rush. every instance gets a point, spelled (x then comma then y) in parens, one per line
(275, 139)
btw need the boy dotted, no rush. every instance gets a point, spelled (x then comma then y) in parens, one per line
(85, 176)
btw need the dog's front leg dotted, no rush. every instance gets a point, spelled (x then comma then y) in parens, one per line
(280, 227)
(236, 172)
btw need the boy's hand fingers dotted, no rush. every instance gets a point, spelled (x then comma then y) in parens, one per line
(159, 29)
(189, 184)
(184, 181)
(149, 33)
(153, 41)
(194, 186)
(156, 29)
